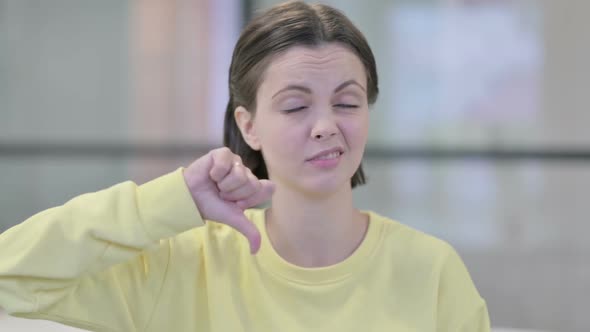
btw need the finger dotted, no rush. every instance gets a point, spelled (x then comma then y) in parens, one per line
(248, 229)
(237, 177)
(222, 164)
(248, 189)
(262, 195)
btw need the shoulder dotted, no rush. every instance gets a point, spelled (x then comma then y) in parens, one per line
(406, 241)
(419, 256)
(430, 263)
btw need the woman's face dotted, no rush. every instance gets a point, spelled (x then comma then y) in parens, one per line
(311, 119)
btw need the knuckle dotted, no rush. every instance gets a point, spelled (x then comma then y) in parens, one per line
(218, 152)
(224, 154)
(240, 174)
(222, 169)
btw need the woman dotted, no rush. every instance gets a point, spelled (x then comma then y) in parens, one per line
(185, 252)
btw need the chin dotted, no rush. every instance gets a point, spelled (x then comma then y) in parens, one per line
(325, 187)
(315, 185)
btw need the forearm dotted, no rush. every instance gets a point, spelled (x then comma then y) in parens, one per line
(51, 250)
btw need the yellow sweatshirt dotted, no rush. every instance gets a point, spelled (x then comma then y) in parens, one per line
(140, 258)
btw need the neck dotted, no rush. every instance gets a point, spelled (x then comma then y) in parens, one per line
(314, 231)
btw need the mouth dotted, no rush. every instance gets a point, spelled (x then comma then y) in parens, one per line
(327, 154)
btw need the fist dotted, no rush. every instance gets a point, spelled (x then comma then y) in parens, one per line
(222, 188)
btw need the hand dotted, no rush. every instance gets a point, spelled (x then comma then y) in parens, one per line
(222, 188)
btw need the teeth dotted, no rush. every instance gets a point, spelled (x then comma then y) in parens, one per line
(330, 155)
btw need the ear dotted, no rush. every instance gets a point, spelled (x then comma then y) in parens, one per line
(245, 121)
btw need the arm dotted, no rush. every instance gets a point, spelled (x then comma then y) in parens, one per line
(479, 320)
(460, 307)
(63, 263)
(99, 261)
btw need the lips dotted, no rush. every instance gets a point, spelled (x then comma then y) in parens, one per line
(327, 154)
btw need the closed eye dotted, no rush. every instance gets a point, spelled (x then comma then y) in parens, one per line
(294, 109)
(346, 106)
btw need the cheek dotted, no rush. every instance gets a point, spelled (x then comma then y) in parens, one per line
(356, 132)
(279, 138)
(282, 149)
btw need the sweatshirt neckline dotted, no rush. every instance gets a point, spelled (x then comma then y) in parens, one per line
(270, 260)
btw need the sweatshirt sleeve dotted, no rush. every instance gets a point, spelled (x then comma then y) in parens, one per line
(460, 307)
(479, 320)
(98, 261)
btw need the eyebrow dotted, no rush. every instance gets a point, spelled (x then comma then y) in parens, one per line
(308, 90)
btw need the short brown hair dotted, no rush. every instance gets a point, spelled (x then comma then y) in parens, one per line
(274, 31)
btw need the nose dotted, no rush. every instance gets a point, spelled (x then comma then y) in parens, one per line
(324, 128)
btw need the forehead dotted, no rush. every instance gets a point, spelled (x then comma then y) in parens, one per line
(330, 59)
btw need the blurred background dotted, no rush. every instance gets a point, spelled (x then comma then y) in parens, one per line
(480, 134)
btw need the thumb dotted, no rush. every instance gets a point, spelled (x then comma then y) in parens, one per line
(248, 229)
